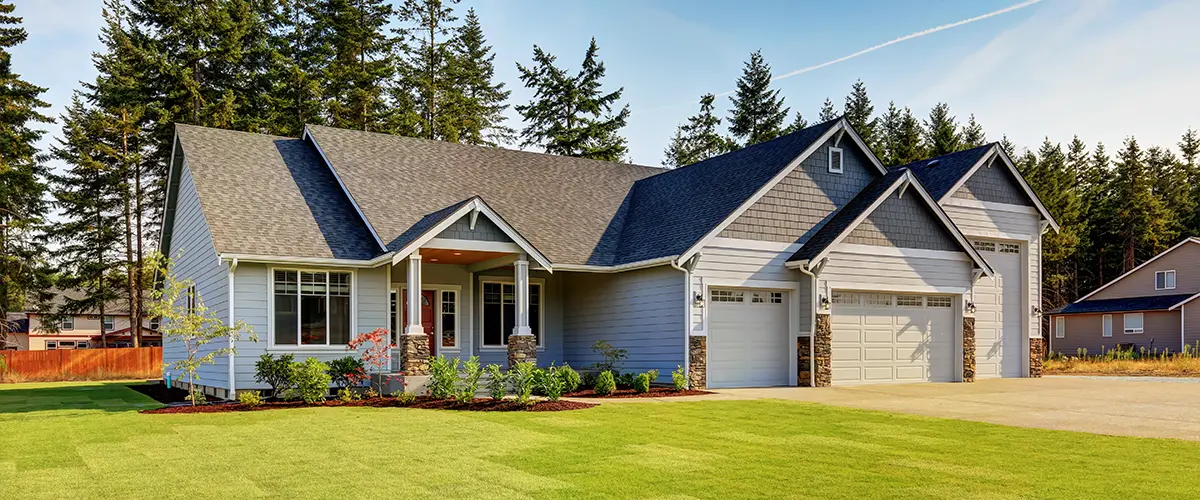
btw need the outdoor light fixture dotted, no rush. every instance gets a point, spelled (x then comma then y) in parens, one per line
(457, 253)
(824, 302)
(1036, 310)
(698, 300)
(970, 307)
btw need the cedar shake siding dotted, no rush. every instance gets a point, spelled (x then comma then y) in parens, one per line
(1161, 331)
(796, 207)
(903, 222)
(485, 230)
(1185, 261)
(993, 184)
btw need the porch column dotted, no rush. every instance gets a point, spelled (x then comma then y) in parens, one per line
(414, 348)
(522, 345)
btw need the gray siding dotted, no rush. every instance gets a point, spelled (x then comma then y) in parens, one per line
(796, 207)
(904, 222)
(641, 311)
(195, 259)
(726, 261)
(1185, 261)
(1086, 331)
(1191, 323)
(995, 184)
(854, 271)
(485, 230)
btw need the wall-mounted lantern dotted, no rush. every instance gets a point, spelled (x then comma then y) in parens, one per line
(698, 300)
(824, 302)
(970, 308)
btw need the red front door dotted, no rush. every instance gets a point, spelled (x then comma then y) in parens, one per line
(426, 316)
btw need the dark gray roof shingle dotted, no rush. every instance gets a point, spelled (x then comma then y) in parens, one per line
(1125, 304)
(940, 173)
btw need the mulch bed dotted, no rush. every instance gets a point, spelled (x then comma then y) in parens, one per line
(422, 402)
(655, 392)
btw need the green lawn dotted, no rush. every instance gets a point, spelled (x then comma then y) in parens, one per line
(69, 440)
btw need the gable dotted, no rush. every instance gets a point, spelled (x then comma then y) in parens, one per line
(903, 221)
(1184, 260)
(794, 209)
(993, 183)
(485, 230)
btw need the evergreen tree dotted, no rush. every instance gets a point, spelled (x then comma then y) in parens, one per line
(297, 61)
(1054, 183)
(1104, 253)
(899, 137)
(941, 131)
(827, 111)
(858, 111)
(484, 100)
(1189, 150)
(570, 115)
(1008, 146)
(23, 271)
(1171, 185)
(758, 113)
(798, 123)
(972, 134)
(429, 38)
(362, 62)
(1141, 217)
(698, 139)
(1086, 183)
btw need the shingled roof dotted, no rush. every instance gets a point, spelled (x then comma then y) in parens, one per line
(1124, 304)
(844, 218)
(940, 173)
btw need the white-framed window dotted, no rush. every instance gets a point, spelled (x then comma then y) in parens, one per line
(1060, 327)
(1134, 323)
(1164, 280)
(835, 160)
(910, 301)
(191, 299)
(1009, 248)
(726, 295)
(155, 323)
(984, 246)
(449, 318)
(850, 299)
(66, 344)
(939, 301)
(82, 344)
(110, 323)
(1107, 325)
(878, 299)
(51, 345)
(499, 312)
(311, 307)
(66, 323)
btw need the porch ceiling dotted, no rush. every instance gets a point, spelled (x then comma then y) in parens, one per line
(457, 257)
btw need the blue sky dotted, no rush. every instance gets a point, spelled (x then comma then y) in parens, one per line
(1098, 68)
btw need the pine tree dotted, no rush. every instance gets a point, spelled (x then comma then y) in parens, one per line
(1086, 183)
(1104, 254)
(1171, 185)
(698, 139)
(1054, 183)
(429, 38)
(362, 61)
(1189, 150)
(297, 60)
(858, 111)
(1008, 146)
(899, 139)
(758, 113)
(24, 275)
(827, 111)
(972, 134)
(570, 115)
(1141, 217)
(798, 124)
(484, 100)
(941, 131)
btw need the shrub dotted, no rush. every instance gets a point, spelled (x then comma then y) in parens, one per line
(611, 356)
(250, 399)
(570, 378)
(679, 378)
(539, 379)
(522, 378)
(404, 398)
(495, 384)
(311, 381)
(470, 384)
(625, 379)
(641, 384)
(605, 384)
(653, 374)
(589, 379)
(275, 372)
(347, 372)
(347, 395)
(553, 384)
(443, 375)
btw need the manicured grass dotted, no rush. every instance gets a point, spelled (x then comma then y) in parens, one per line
(86, 440)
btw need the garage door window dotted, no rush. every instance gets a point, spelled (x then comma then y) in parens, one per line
(984, 246)
(727, 296)
(939, 301)
(851, 299)
(908, 301)
(875, 299)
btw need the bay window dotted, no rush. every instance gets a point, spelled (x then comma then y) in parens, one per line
(499, 312)
(311, 308)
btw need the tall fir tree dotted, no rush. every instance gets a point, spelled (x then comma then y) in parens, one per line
(858, 111)
(1189, 151)
(698, 139)
(1008, 146)
(571, 115)
(798, 123)
(900, 137)
(1054, 183)
(298, 58)
(972, 134)
(1171, 185)
(24, 276)
(757, 114)
(362, 62)
(429, 35)
(827, 111)
(1141, 216)
(941, 131)
(484, 100)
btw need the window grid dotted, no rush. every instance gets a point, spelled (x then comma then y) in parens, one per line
(845, 298)
(449, 306)
(67, 323)
(502, 299)
(984, 246)
(109, 323)
(1164, 280)
(910, 301)
(727, 296)
(776, 297)
(836, 160)
(311, 307)
(877, 299)
(1010, 248)
(939, 301)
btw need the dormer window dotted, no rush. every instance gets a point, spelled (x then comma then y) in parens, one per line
(835, 160)
(1164, 280)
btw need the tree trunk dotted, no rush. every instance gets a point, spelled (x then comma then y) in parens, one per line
(139, 305)
(127, 202)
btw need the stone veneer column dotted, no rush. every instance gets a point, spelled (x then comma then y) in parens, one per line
(414, 344)
(414, 354)
(697, 362)
(1037, 352)
(522, 344)
(823, 351)
(968, 350)
(803, 362)
(522, 348)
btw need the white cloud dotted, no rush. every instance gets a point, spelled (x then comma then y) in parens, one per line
(1097, 69)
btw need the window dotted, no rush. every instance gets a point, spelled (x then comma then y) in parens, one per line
(835, 160)
(1133, 323)
(1164, 280)
(845, 298)
(776, 297)
(910, 300)
(449, 309)
(191, 299)
(66, 323)
(394, 320)
(499, 312)
(51, 345)
(1010, 248)
(1060, 327)
(109, 323)
(727, 295)
(312, 308)
(155, 323)
(66, 344)
(939, 301)
(82, 344)
(984, 246)
(1107, 332)
(876, 299)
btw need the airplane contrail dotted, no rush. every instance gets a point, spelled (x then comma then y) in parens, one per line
(910, 36)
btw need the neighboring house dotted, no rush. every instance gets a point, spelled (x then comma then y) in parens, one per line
(87, 329)
(1151, 306)
(797, 261)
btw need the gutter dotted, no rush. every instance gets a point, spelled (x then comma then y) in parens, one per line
(812, 322)
(661, 261)
(232, 319)
(687, 309)
(317, 261)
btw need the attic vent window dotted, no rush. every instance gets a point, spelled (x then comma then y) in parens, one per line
(835, 160)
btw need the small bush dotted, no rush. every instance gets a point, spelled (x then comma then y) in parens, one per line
(250, 399)
(275, 372)
(347, 395)
(197, 398)
(612, 356)
(404, 398)
(522, 378)
(589, 379)
(653, 374)
(311, 381)
(679, 378)
(625, 379)
(443, 376)
(495, 384)
(553, 384)
(470, 383)
(641, 384)
(347, 372)
(605, 384)
(539, 380)
(570, 378)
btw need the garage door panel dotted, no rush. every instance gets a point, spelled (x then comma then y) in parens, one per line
(878, 336)
(879, 354)
(885, 343)
(877, 373)
(999, 315)
(748, 344)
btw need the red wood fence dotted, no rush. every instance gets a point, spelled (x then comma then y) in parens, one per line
(82, 364)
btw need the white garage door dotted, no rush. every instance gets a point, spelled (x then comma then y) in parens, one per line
(998, 309)
(748, 341)
(886, 338)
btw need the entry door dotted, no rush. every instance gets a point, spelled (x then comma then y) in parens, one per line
(427, 320)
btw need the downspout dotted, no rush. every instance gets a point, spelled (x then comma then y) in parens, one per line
(232, 320)
(688, 268)
(1042, 226)
(812, 326)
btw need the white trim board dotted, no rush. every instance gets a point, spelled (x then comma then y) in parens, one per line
(314, 348)
(473, 245)
(990, 206)
(901, 252)
(744, 244)
(997, 151)
(475, 203)
(1136, 269)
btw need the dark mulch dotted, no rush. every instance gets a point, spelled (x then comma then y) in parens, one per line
(655, 392)
(161, 393)
(422, 402)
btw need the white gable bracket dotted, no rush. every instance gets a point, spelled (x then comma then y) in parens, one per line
(474, 217)
(475, 205)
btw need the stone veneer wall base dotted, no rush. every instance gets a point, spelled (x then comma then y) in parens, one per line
(968, 351)
(698, 362)
(803, 362)
(1037, 352)
(823, 351)
(414, 354)
(522, 348)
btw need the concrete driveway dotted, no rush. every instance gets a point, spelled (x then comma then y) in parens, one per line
(1116, 406)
